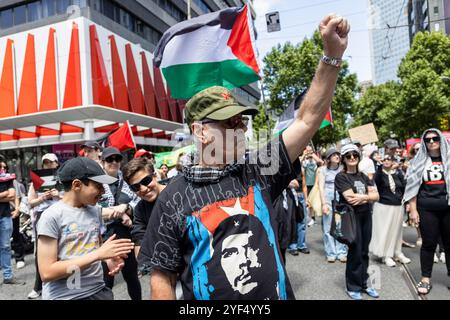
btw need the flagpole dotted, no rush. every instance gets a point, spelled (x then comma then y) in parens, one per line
(264, 102)
(189, 9)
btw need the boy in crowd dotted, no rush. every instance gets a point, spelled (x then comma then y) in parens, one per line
(69, 237)
(140, 175)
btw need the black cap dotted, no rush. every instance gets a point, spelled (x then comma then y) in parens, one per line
(110, 151)
(391, 143)
(91, 144)
(83, 168)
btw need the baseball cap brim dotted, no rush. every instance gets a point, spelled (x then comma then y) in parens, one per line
(104, 179)
(230, 111)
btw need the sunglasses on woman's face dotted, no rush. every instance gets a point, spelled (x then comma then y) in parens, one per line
(144, 182)
(113, 159)
(352, 155)
(434, 139)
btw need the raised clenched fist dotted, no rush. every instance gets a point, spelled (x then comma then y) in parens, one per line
(334, 30)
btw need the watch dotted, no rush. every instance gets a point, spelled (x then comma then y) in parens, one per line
(335, 62)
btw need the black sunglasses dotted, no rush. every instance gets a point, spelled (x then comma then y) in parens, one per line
(435, 139)
(354, 155)
(230, 123)
(144, 182)
(112, 159)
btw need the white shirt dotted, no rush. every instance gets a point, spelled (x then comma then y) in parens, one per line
(366, 166)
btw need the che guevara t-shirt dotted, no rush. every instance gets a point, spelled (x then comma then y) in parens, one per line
(221, 238)
(433, 191)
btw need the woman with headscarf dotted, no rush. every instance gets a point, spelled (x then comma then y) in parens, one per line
(326, 176)
(357, 190)
(427, 191)
(387, 232)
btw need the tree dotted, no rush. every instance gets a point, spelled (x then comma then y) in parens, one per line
(261, 122)
(425, 90)
(289, 69)
(376, 106)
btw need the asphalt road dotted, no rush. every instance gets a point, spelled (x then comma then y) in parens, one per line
(312, 278)
(439, 279)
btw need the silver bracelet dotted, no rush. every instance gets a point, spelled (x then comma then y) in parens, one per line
(335, 62)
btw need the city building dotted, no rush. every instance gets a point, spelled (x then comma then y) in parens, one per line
(73, 70)
(388, 37)
(428, 15)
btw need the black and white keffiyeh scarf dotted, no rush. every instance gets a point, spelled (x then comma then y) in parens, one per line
(198, 174)
(420, 163)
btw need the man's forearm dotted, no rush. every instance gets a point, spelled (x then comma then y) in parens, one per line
(312, 111)
(318, 99)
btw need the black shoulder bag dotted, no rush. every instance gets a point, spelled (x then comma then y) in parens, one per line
(343, 222)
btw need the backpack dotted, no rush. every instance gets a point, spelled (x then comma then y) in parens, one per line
(343, 222)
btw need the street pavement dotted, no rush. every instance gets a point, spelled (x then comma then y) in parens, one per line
(439, 279)
(312, 278)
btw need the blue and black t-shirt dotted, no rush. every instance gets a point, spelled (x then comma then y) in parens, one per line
(221, 238)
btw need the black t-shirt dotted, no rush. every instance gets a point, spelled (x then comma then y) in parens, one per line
(359, 183)
(222, 237)
(5, 207)
(433, 191)
(141, 217)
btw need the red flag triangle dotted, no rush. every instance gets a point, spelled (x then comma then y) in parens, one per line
(37, 181)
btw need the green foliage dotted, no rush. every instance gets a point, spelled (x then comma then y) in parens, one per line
(261, 122)
(421, 97)
(290, 69)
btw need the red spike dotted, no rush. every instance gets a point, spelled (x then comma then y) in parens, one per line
(7, 86)
(161, 94)
(27, 102)
(121, 99)
(49, 96)
(134, 85)
(149, 90)
(100, 85)
(73, 96)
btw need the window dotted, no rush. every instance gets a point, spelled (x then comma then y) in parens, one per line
(124, 18)
(20, 15)
(48, 8)
(96, 4)
(202, 5)
(34, 11)
(62, 5)
(6, 19)
(108, 9)
(436, 10)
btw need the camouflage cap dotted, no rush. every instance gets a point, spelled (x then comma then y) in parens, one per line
(215, 103)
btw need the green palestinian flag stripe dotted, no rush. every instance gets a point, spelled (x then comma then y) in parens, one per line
(184, 78)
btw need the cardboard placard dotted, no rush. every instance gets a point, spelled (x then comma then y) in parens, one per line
(364, 134)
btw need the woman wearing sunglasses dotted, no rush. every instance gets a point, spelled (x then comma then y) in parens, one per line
(356, 190)
(387, 217)
(427, 191)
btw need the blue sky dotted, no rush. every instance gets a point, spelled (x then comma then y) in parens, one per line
(299, 19)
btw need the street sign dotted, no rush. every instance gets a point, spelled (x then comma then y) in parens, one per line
(273, 21)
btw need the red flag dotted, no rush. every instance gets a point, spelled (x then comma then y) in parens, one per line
(37, 181)
(121, 138)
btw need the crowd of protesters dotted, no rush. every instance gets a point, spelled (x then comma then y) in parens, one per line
(219, 223)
